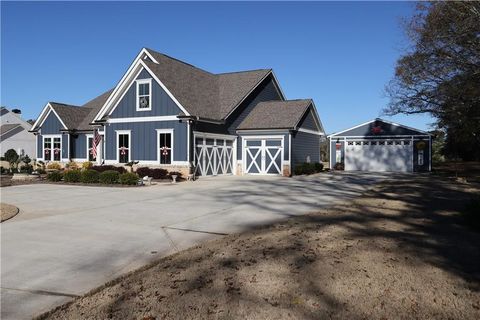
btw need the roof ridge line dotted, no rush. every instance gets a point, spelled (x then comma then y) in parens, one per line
(244, 71)
(178, 60)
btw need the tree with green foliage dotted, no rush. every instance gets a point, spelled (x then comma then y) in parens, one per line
(12, 157)
(440, 74)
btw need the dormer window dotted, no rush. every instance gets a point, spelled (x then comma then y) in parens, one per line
(144, 95)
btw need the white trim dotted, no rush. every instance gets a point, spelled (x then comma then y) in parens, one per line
(41, 120)
(317, 118)
(142, 119)
(150, 100)
(213, 135)
(246, 131)
(126, 81)
(263, 146)
(248, 94)
(188, 141)
(160, 131)
(277, 84)
(118, 133)
(69, 146)
(149, 55)
(165, 89)
(135, 76)
(289, 148)
(381, 120)
(385, 137)
(52, 136)
(311, 132)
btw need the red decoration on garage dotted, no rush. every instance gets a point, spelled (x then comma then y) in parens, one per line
(377, 130)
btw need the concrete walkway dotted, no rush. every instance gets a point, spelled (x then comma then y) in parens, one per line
(67, 240)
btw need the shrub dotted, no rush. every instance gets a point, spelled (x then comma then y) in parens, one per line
(54, 176)
(89, 176)
(72, 175)
(109, 177)
(12, 157)
(108, 167)
(54, 166)
(26, 169)
(3, 170)
(87, 165)
(156, 173)
(308, 168)
(339, 166)
(41, 171)
(128, 178)
(72, 165)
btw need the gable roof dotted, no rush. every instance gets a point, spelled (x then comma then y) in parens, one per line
(4, 128)
(70, 115)
(197, 92)
(276, 115)
(392, 129)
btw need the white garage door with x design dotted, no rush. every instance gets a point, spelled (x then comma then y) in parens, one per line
(263, 156)
(213, 156)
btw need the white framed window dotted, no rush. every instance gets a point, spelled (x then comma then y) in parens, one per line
(89, 148)
(124, 147)
(144, 95)
(165, 146)
(52, 147)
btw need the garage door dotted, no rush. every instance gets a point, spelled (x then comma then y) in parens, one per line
(213, 156)
(263, 156)
(379, 155)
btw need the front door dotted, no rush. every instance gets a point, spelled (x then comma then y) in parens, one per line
(263, 156)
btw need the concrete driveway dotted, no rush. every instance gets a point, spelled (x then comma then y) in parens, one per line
(68, 240)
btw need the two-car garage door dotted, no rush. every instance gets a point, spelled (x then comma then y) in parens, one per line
(379, 155)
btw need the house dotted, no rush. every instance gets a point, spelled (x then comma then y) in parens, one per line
(167, 113)
(380, 145)
(14, 133)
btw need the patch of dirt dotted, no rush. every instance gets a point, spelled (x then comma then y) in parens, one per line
(7, 211)
(399, 252)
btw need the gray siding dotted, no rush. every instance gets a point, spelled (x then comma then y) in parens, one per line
(305, 145)
(266, 91)
(162, 104)
(52, 125)
(79, 146)
(308, 121)
(387, 130)
(144, 139)
(286, 145)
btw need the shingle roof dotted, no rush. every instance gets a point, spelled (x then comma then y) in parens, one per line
(71, 115)
(4, 128)
(202, 93)
(275, 115)
(94, 105)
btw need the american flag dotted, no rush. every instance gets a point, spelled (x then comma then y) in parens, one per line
(96, 141)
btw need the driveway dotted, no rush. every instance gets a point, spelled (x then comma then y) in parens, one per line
(67, 240)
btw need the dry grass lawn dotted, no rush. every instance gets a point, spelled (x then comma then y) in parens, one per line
(399, 252)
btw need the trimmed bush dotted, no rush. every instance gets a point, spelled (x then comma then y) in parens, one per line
(54, 176)
(109, 177)
(128, 178)
(87, 165)
(71, 175)
(54, 166)
(308, 168)
(71, 165)
(26, 169)
(156, 173)
(41, 171)
(109, 167)
(89, 176)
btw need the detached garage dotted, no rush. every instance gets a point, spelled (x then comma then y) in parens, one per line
(380, 145)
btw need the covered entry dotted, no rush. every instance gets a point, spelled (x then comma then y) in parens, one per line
(214, 154)
(263, 155)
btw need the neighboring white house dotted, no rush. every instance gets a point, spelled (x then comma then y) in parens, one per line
(14, 133)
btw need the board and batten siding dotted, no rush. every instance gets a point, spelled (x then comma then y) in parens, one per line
(79, 146)
(52, 125)
(308, 121)
(305, 146)
(265, 91)
(143, 137)
(286, 145)
(162, 104)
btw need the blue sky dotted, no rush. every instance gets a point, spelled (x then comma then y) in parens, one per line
(340, 54)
